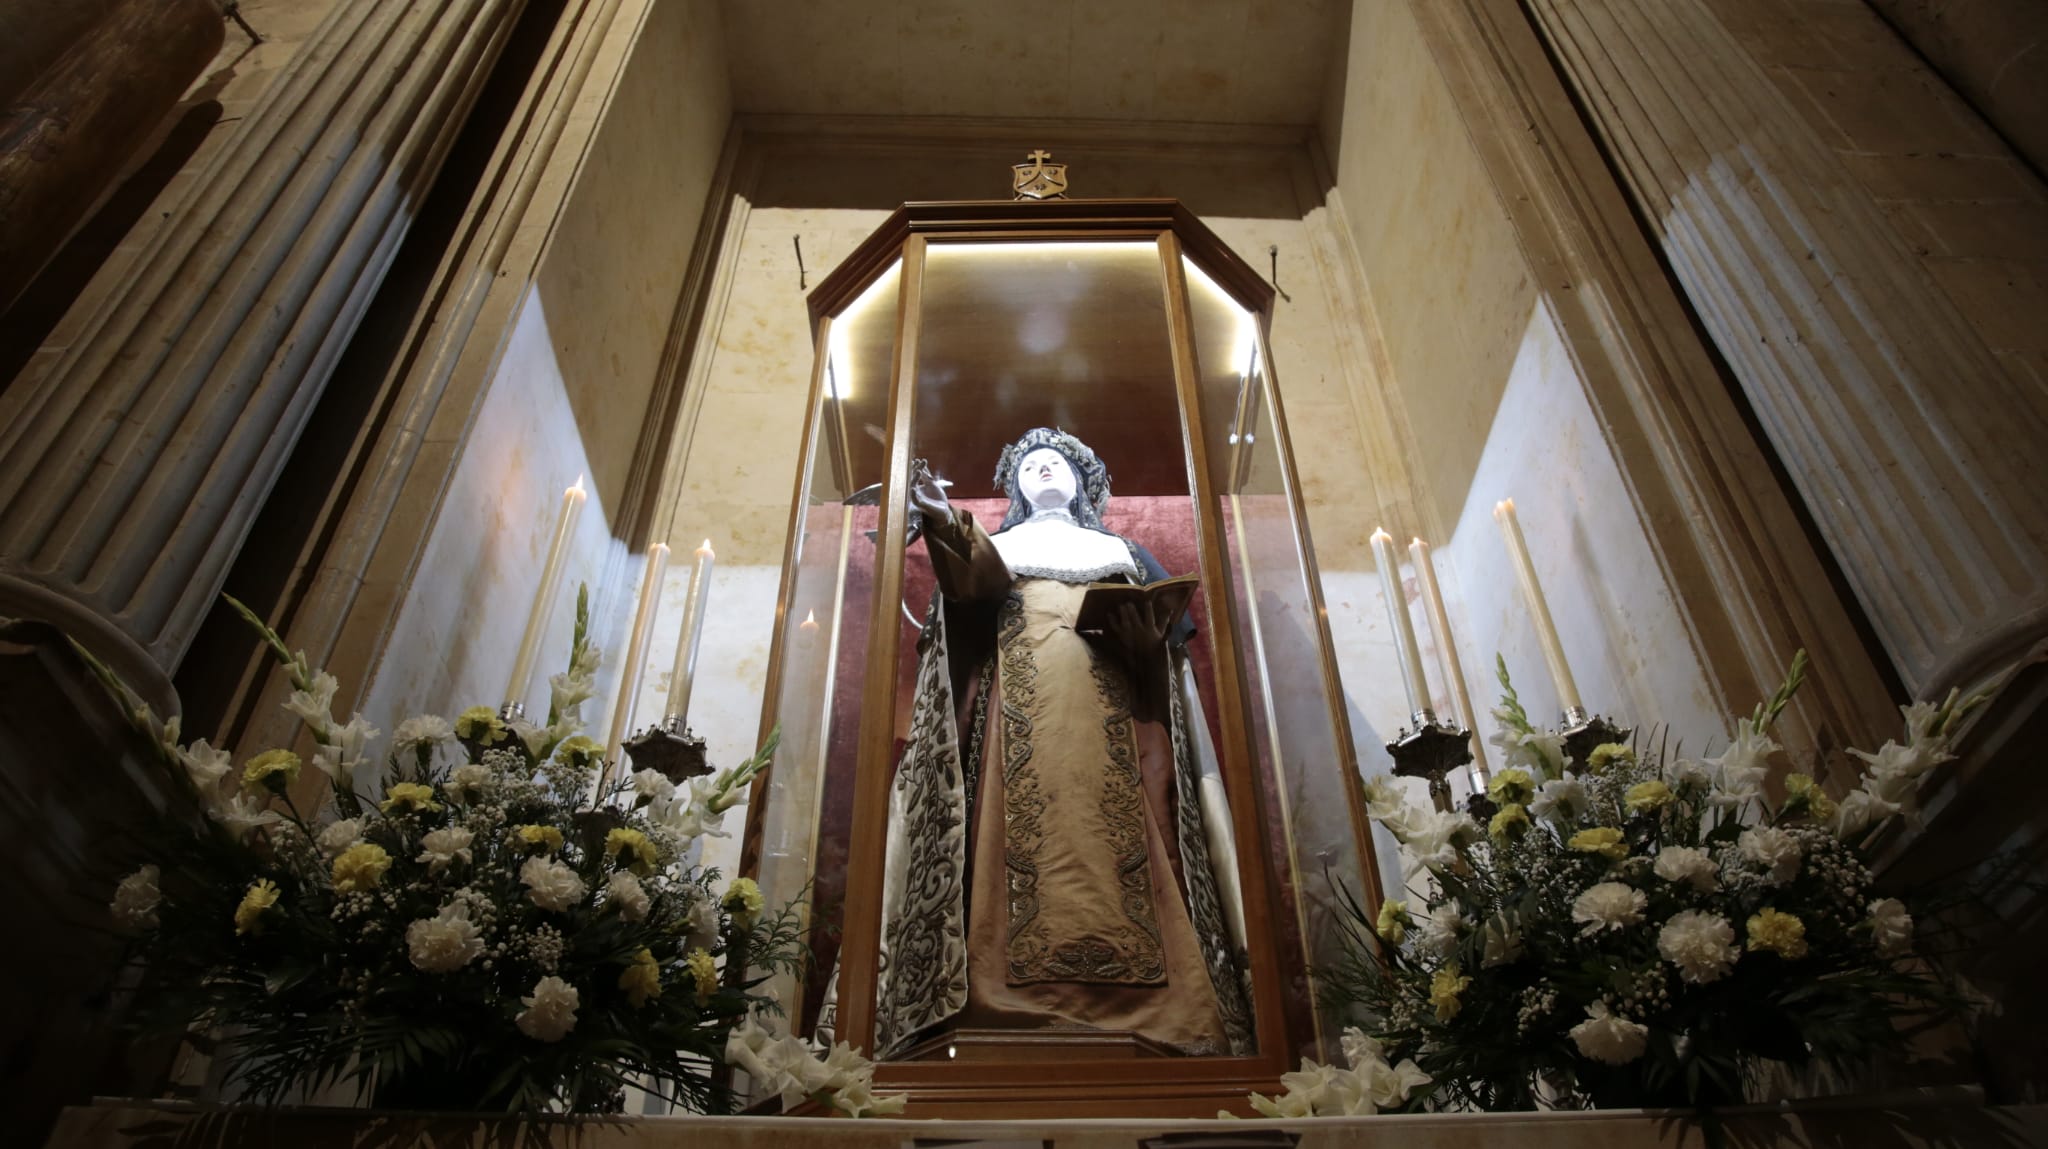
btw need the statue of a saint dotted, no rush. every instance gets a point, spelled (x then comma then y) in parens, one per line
(1059, 848)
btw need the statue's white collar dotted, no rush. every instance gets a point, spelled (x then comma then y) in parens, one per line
(1053, 546)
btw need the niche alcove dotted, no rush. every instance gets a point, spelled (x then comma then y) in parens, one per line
(955, 328)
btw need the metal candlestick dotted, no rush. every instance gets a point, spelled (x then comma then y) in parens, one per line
(671, 749)
(1585, 732)
(512, 712)
(1432, 749)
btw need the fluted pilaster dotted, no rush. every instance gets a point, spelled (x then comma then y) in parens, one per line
(131, 469)
(1915, 453)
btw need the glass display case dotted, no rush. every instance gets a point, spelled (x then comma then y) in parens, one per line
(1059, 856)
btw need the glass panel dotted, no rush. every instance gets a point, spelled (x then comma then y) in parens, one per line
(1079, 861)
(1293, 719)
(824, 640)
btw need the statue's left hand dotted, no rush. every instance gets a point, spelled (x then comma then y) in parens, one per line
(1138, 633)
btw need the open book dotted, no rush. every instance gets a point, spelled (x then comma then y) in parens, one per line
(1170, 598)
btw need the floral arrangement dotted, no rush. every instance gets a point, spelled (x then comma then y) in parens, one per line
(1363, 1086)
(1628, 930)
(840, 1080)
(478, 928)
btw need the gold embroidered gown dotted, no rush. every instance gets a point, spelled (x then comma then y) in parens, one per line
(1075, 911)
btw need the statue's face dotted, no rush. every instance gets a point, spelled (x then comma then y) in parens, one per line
(1045, 479)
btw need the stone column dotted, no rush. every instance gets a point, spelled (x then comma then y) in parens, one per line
(132, 468)
(1995, 52)
(1916, 454)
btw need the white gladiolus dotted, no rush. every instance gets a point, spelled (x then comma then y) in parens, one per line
(1690, 865)
(1701, 945)
(441, 848)
(551, 884)
(791, 1067)
(311, 705)
(1608, 1038)
(1739, 772)
(136, 899)
(446, 942)
(205, 766)
(551, 1012)
(1503, 943)
(339, 836)
(1772, 849)
(343, 752)
(625, 891)
(653, 786)
(1609, 906)
(1891, 927)
(244, 812)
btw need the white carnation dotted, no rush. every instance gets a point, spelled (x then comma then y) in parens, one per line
(422, 730)
(1607, 1038)
(1359, 1048)
(1439, 931)
(625, 891)
(136, 899)
(1560, 800)
(551, 1012)
(468, 778)
(446, 942)
(551, 884)
(703, 923)
(1773, 850)
(1690, 865)
(1891, 927)
(1701, 945)
(1609, 906)
(440, 848)
(1689, 772)
(339, 836)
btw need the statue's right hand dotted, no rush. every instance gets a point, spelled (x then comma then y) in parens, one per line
(927, 495)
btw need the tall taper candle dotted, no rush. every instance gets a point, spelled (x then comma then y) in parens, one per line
(636, 652)
(1404, 629)
(1440, 622)
(1539, 608)
(544, 598)
(681, 679)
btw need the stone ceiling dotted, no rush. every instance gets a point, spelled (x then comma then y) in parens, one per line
(1188, 61)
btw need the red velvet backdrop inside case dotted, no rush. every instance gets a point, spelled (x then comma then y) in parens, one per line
(1164, 525)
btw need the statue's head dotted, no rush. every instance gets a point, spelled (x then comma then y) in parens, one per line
(1049, 468)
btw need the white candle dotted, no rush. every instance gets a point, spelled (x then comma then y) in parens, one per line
(1404, 628)
(636, 652)
(1440, 622)
(544, 598)
(1539, 609)
(680, 679)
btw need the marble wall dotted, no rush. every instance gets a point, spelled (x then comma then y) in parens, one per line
(569, 395)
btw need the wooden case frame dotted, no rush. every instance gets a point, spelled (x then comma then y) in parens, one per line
(1060, 1086)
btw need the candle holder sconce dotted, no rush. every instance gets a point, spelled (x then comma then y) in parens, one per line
(670, 749)
(1585, 732)
(1431, 750)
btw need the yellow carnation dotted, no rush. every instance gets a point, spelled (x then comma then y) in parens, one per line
(1609, 754)
(642, 979)
(1803, 794)
(1644, 797)
(1603, 840)
(272, 770)
(480, 724)
(580, 752)
(744, 901)
(539, 839)
(702, 968)
(1393, 921)
(1511, 787)
(407, 796)
(360, 867)
(1444, 989)
(1780, 933)
(249, 915)
(1511, 822)
(632, 849)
